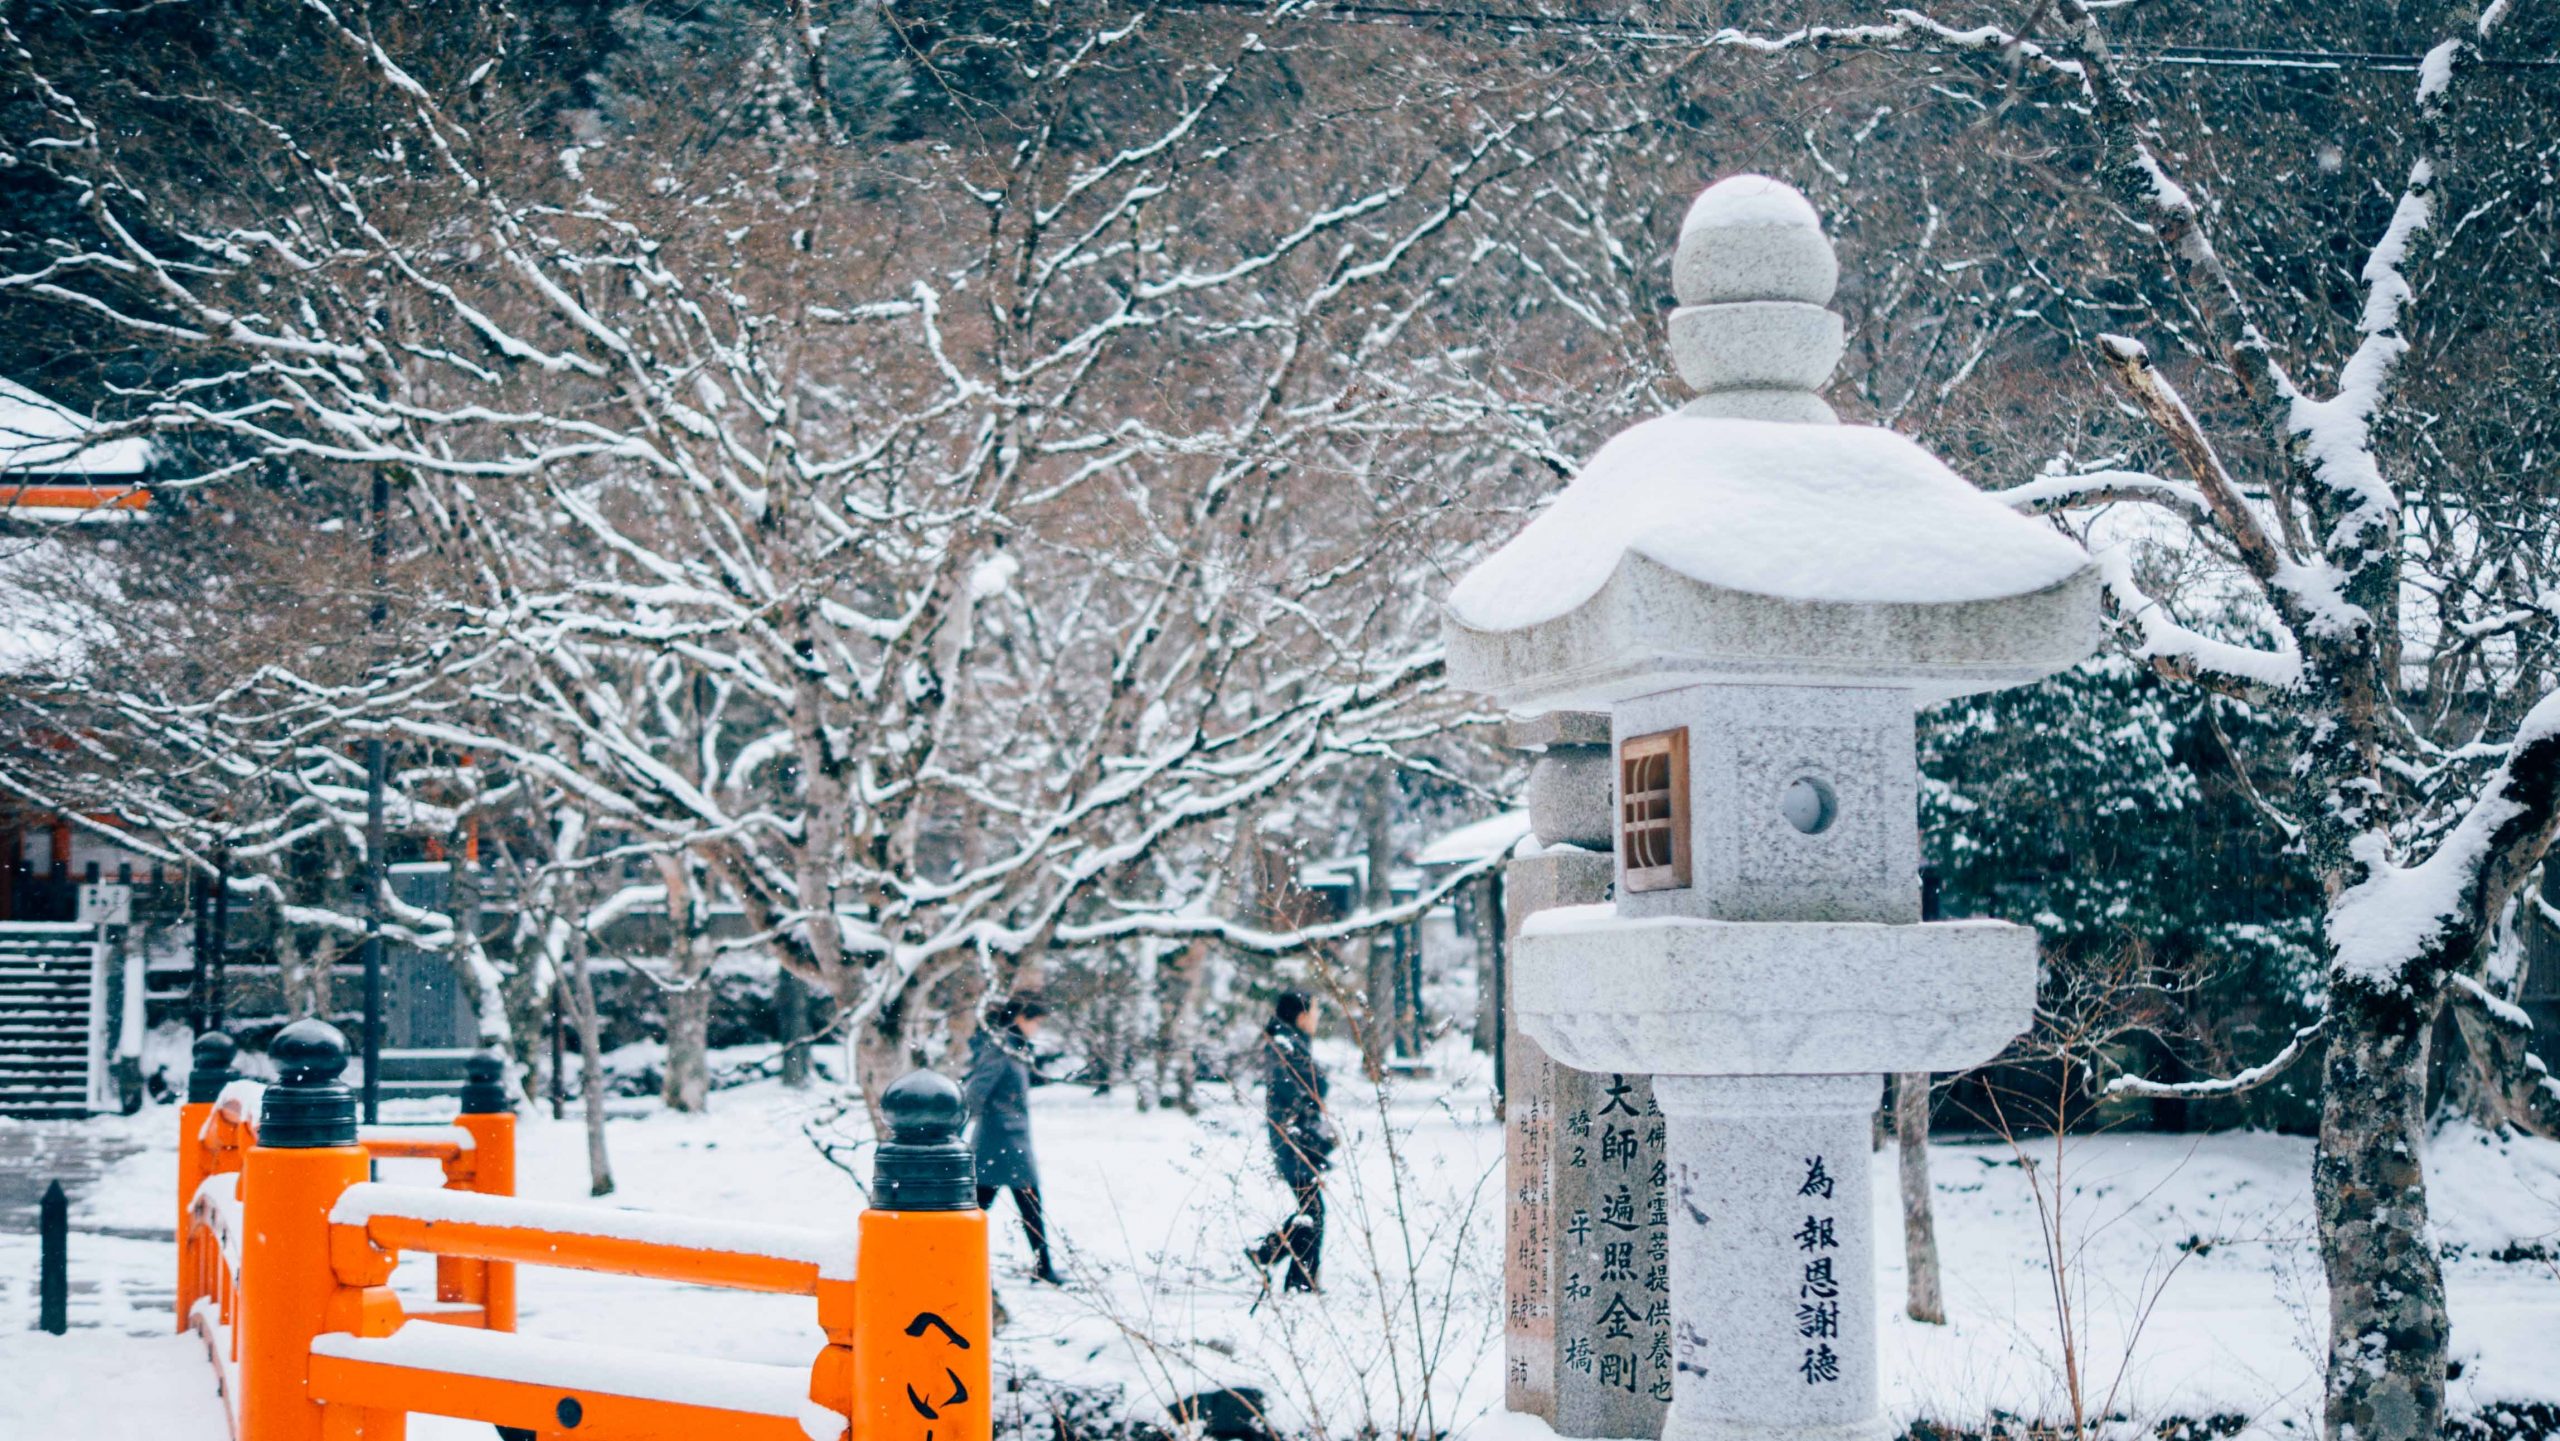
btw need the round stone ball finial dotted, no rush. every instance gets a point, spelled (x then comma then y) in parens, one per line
(1748, 237)
(308, 1052)
(484, 1085)
(308, 1107)
(922, 1166)
(923, 1108)
(1754, 335)
(213, 1052)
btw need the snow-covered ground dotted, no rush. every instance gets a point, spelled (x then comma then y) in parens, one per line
(2194, 1287)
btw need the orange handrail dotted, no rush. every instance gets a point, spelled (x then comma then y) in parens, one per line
(562, 1403)
(450, 1145)
(218, 1128)
(323, 1351)
(207, 1291)
(463, 1282)
(494, 1238)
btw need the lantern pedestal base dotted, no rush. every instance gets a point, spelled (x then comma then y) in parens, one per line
(1675, 1429)
(1772, 1266)
(1675, 995)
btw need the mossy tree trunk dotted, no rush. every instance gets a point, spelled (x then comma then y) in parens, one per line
(2387, 1321)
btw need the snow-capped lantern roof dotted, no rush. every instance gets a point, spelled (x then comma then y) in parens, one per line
(1752, 537)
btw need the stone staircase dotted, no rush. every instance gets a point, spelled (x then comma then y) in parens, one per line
(52, 1019)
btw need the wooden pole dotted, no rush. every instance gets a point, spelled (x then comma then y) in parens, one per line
(376, 875)
(917, 1335)
(213, 1054)
(200, 909)
(791, 1013)
(1497, 923)
(559, 1090)
(491, 1120)
(221, 934)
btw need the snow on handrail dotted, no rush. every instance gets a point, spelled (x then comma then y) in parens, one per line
(239, 1101)
(745, 1386)
(429, 1141)
(217, 1205)
(205, 1318)
(831, 1252)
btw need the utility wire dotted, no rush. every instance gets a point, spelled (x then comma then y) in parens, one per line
(2223, 57)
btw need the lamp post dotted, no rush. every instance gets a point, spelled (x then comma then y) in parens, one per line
(375, 874)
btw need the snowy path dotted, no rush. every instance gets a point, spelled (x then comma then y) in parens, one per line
(33, 1156)
(2209, 1235)
(119, 1274)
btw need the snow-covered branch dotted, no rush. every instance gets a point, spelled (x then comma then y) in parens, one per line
(2407, 928)
(2294, 1049)
(2087, 490)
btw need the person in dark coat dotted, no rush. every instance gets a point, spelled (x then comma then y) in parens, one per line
(998, 1092)
(1301, 1139)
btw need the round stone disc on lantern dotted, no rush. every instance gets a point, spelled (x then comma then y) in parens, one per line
(1761, 598)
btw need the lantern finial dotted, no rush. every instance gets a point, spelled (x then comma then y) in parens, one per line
(1754, 273)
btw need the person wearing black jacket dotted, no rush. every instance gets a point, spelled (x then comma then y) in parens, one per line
(998, 1092)
(1301, 1140)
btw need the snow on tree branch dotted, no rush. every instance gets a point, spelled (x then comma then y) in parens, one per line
(2088, 489)
(2294, 1049)
(2183, 653)
(2402, 924)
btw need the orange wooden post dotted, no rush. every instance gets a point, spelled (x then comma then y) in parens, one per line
(306, 1157)
(212, 1071)
(490, 1169)
(923, 1306)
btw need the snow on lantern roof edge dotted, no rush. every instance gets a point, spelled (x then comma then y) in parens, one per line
(123, 457)
(1609, 650)
(1847, 514)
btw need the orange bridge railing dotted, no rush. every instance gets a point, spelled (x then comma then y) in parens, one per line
(217, 1127)
(287, 1250)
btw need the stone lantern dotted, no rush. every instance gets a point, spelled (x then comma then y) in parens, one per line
(1759, 598)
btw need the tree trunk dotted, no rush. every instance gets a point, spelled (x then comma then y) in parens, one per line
(688, 1079)
(471, 958)
(1179, 989)
(1186, 1070)
(2507, 1084)
(2387, 1323)
(1377, 980)
(293, 962)
(879, 1059)
(688, 1084)
(582, 992)
(1922, 1300)
(791, 1011)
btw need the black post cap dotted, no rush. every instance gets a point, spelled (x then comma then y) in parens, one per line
(308, 1107)
(923, 1166)
(484, 1086)
(214, 1053)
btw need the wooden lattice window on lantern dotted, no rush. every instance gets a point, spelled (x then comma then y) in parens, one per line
(1653, 810)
